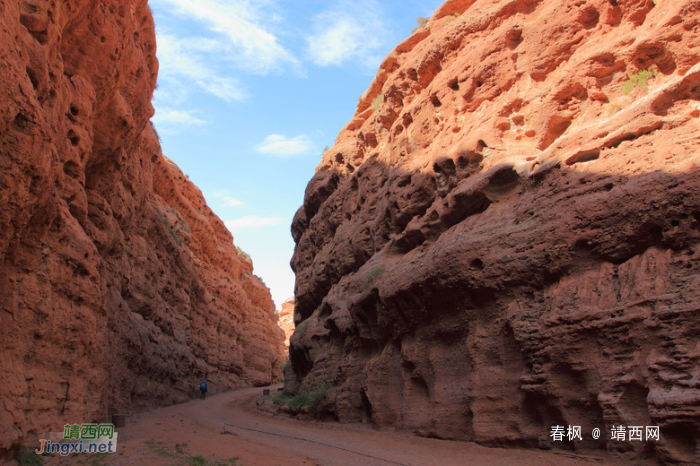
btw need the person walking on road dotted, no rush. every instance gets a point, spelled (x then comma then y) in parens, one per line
(203, 388)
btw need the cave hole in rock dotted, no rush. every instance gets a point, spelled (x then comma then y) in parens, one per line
(326, 311)
(556, 127)
(71, 169)
(33, 78)
(21, 121)
(366, 408)
(482, 297)
(514, 38)
(541, 412)
(589, 18)
(504, 178)
(74, 138)
(410, 240)
(419, 386)
(649, 54)
(633, 403)
(587, 156)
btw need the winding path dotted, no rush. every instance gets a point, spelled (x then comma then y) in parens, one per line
(228, 426)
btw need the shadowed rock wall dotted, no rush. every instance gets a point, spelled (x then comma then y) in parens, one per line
(119, 287)
(506, 236)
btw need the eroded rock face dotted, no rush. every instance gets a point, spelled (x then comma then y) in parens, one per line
(119, 287)
(505, 238)
(286, 322)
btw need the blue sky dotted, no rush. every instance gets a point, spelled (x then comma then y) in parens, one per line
(251, 91)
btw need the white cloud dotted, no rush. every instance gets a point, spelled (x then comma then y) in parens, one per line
(252, 221)
(348, 31)
(282, 146)
(227, 199)
(242, 30)
(186, 60)
(232, 202)
(168, 116)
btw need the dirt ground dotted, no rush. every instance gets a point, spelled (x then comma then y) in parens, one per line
(226, 429)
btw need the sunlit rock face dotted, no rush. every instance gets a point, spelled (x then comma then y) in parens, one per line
(119, 287)
(286, 322)
(505, 237)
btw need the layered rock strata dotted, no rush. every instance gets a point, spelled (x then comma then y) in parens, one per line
(506, 236)
(119, 287)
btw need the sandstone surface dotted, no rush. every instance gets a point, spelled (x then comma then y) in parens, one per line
(286, 322)
(506, 236)
(119, 287)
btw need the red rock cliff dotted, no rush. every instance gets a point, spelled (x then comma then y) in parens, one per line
(119, 287)
(286, 322)
(506, 236)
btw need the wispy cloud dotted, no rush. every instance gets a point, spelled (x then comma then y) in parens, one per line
(282, 146)
(227, 200)
(187, 60)
(170, 117)
(252, 221)
(242, 29)
(232, 202)
(348, 31)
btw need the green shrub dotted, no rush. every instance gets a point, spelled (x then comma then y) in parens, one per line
(421, 20)
(373, 275)
(158, 448)
(310, 399)
(29, 458)
(638, 82)
(301, 328)
(281, 399)
(244, 255)
(99, 459)
(175, 236)
(169, 227)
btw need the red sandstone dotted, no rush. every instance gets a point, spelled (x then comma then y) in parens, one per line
(503, 240)
(119, 287)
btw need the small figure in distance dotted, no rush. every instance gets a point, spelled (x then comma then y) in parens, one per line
(203, 389)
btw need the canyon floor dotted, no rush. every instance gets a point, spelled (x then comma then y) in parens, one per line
(227, 429)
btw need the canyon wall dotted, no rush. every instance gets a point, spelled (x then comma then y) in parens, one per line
(286, 322)
(506, 236)
(119, 287)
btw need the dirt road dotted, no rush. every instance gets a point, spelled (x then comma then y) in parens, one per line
(227, 426)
